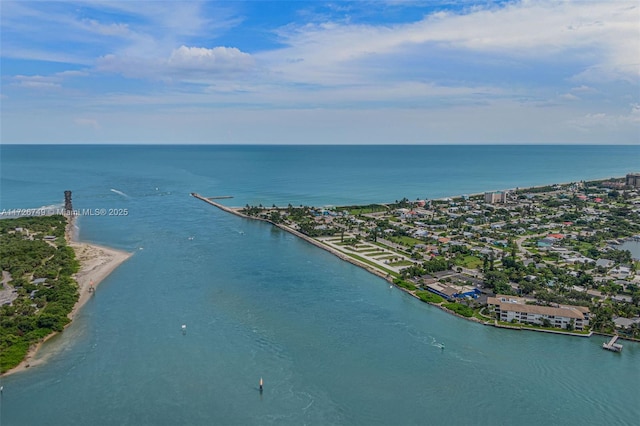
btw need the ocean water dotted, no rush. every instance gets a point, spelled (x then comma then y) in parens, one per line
(334, 344)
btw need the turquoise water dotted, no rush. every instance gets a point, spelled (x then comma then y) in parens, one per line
(334, 344)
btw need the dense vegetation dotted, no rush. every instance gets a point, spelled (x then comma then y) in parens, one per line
(41, 280)
(404, 284)
(459, 309)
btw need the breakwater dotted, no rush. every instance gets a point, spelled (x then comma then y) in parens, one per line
(237, 212)
(367, 267)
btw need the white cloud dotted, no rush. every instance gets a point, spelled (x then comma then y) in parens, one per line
(36, 82)
(602, 34)
(583, 89)
(609, 121)
(87, 122)
(114, 29)
(569, 97)
(192, 64)
(217, 59)
(504, 70)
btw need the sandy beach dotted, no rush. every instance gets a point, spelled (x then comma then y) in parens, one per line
(96, 263)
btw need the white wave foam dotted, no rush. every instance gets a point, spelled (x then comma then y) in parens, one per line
(119, 192)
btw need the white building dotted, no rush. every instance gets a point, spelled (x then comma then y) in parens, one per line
(509, 308)
(495, 197)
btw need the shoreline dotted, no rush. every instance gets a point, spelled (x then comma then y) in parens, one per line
(96, 263)
(387, 277)
(336, 253)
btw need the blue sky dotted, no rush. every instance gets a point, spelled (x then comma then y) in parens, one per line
(339, 72)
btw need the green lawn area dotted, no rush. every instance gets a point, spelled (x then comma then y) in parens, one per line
(471, 262)
(429, 297)
(481, 317)
(405, 241)
(367, 209)
(583, 247)
(375, 265)
(374, 249)
(404, 284)
(391, 249)
(539, 327)
(402, 263)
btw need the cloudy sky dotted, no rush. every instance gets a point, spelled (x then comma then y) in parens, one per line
(338, 72)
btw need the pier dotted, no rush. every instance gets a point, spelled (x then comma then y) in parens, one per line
(612, 345)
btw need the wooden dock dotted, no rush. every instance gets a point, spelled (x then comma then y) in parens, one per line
(612, 345)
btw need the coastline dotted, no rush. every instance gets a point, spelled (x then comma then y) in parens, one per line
(331, 250)
(237, 211)
(96, 263)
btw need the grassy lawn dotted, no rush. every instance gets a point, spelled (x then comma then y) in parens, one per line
(538, 327)
(375, 265)
(367, 209)
(405, 241)
(562, 330)
(391, 249)
(402, 263)
(404, 284)
(429, 297)
(483, 318)
(583, 247)
(471, 262)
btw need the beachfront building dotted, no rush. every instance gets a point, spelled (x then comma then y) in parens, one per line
(495, 197)
(633, 179)
(515, 309)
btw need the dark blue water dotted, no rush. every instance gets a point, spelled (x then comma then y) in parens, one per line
(334, 344)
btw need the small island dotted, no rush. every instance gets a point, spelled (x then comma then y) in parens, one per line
(46, 278)
(543, 258)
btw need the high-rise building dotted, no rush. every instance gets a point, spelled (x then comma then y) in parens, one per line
(495, 197)
(633, 179)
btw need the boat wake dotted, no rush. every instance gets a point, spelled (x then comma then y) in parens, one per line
(120, 193)
(437, 344)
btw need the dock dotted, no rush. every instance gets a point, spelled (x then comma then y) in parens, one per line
(612, 345)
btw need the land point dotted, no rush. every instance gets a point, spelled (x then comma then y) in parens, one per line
(545, 259)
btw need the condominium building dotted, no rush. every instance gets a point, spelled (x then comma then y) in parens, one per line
(510, 308)
(633, 179)
(495, 197)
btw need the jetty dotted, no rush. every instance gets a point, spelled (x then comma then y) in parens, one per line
(209, 200)
(310, 240)
(611, 345)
